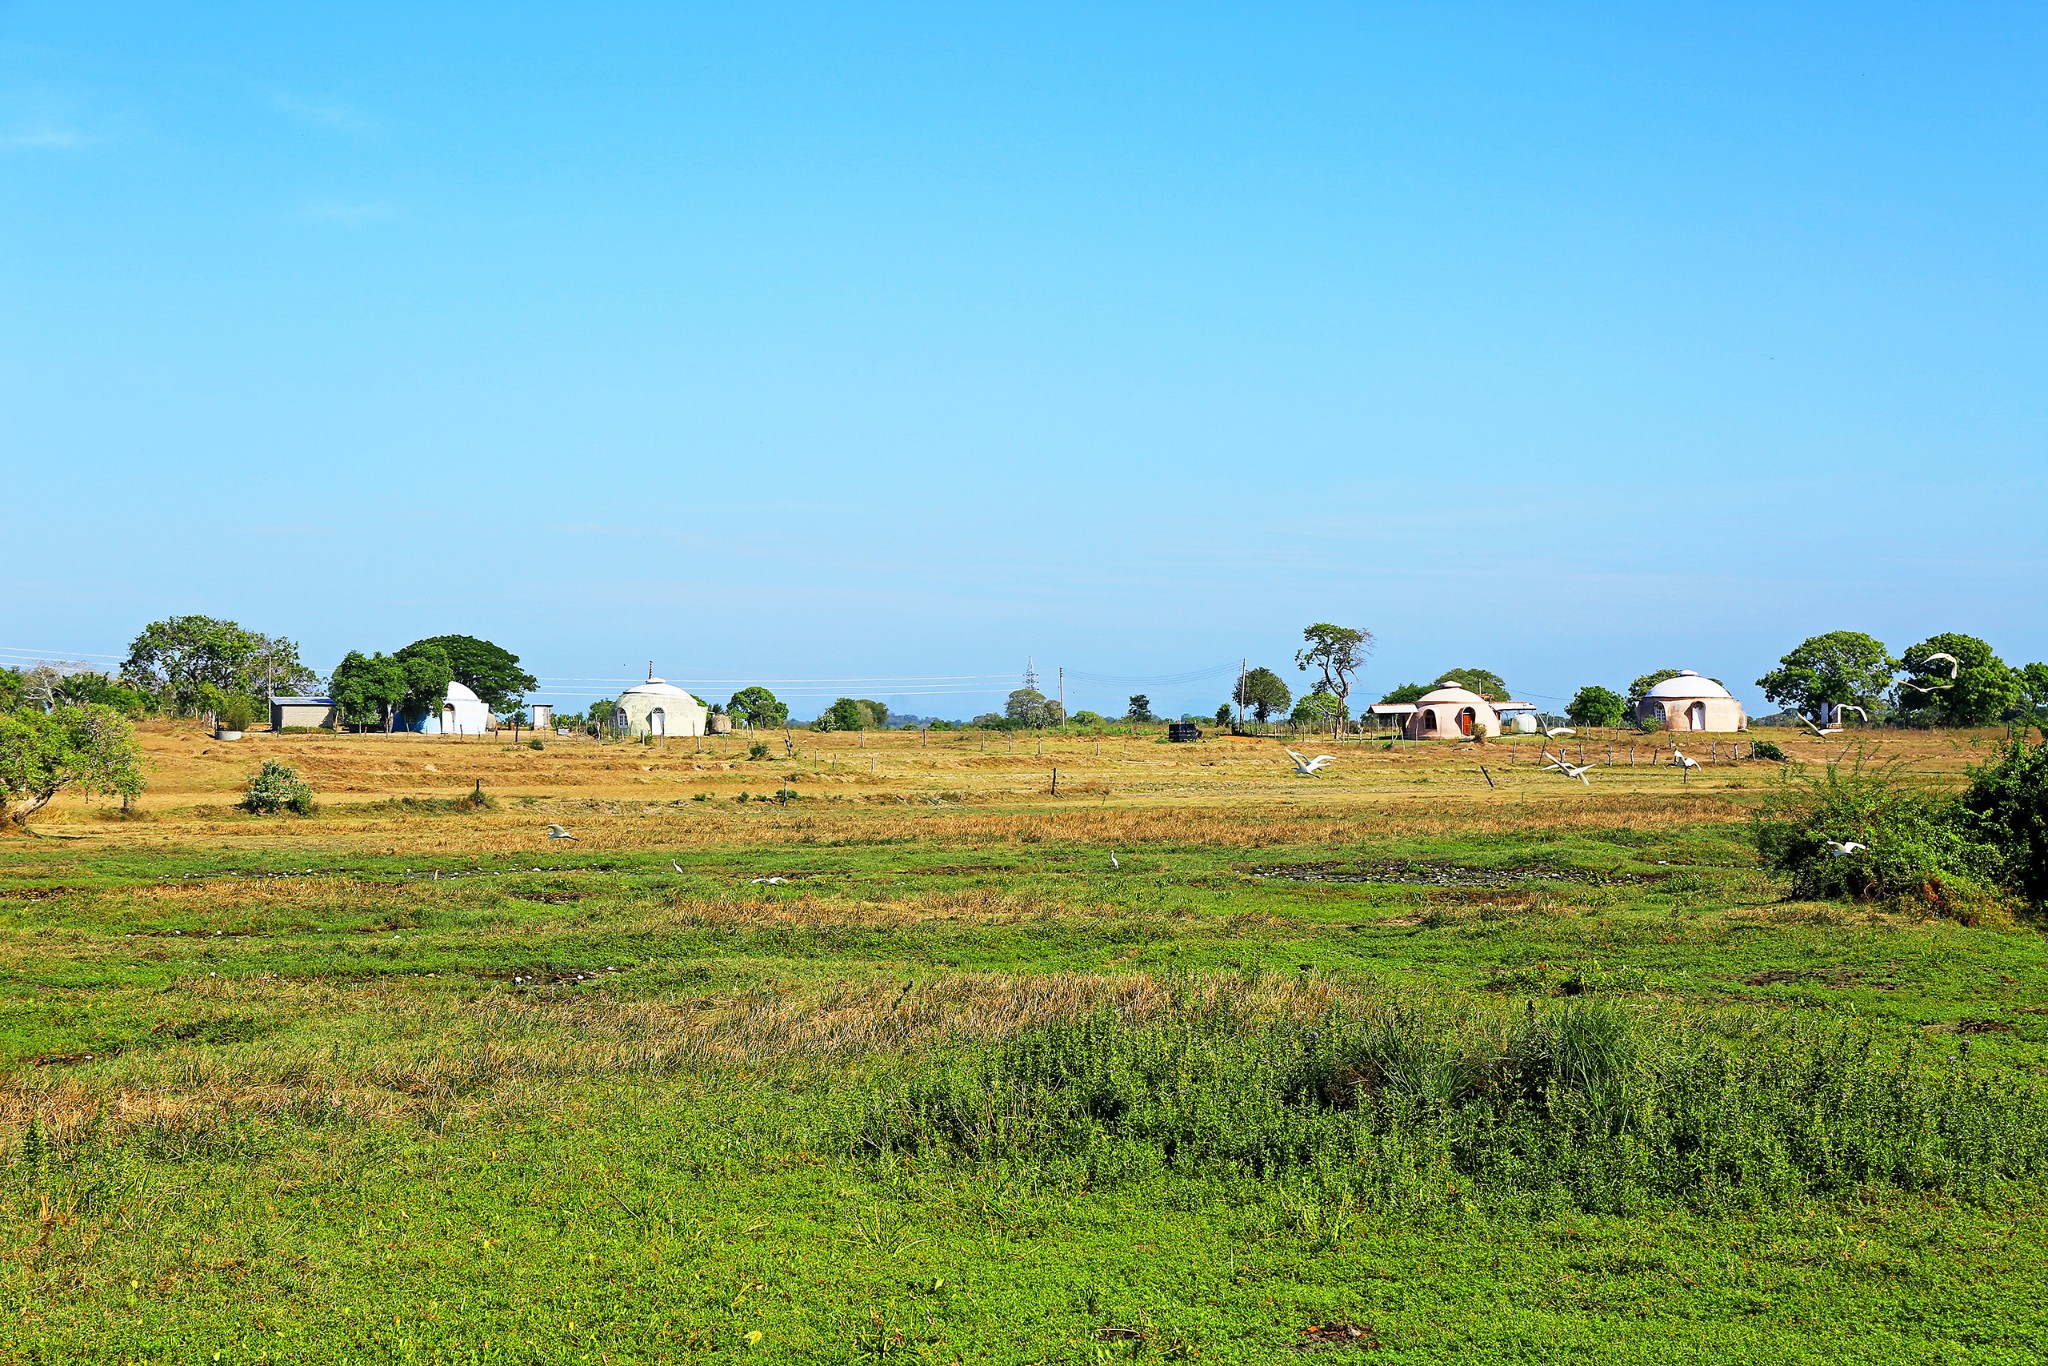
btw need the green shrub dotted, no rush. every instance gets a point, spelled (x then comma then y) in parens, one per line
(757, 750)
(1914, 848)
(236, 712)
(275, 788)
(535, 744)
(1767, 749)
(2006, 807)
(1580, 1103)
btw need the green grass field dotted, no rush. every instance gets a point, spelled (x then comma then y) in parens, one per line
(404, 1083)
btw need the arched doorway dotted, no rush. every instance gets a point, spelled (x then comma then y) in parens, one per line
(1696, 716)
(657, 722)
(448, 718)
(1467, 718)
(1428, 726)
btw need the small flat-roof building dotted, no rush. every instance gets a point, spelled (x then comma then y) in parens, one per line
(308, 713)
(657, 707)
(1691, 702)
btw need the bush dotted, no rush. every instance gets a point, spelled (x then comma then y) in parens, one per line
(757, 750)
(535, 743)
(1581, 1103)
(1914, 848)
(1767, 749)
(2006, 808)
(277, 788)
(236, 713)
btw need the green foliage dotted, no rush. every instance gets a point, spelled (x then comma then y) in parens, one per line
(13, 689)
(1640, 689)
(2006, 807)
(236, 712)
(172, 659)
(1030, 709)
(1406, 693)
(1222, 715)
(1767, 749)
(1984, 689)
(1915, 850)
(758, 707)
(757, 750)
(1139, 709)
(490, 671)
(1079, 718)
(1263, 693)
(1334, 653)
(1319, 709)
(1485, 682)
(277, 787)
(1581, 1104)
(536, 744)
(1841, 667)
(844, 714)
(370, 690)
(1594, 705)
(91, 747)
(96, 689)
(2034, 690)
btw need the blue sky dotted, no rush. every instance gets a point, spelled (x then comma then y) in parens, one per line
(888, 342)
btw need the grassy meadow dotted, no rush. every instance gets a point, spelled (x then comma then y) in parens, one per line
(1435, 1058)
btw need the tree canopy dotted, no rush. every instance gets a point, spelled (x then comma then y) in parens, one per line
(1485, 682)
(1984, 689)
(175, 658)
(1407, 692)
(1335, 652)
(1640, 689)
(1594, 705)
(1139, 708)
(844, 714)
(1831, 670)
(1032, 709)
(1319, 708)
(41, 753)
(490, 671)
(756, 706)
(1263, 693)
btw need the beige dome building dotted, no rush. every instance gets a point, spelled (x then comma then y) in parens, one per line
(1451, 713)
(658, 708)
(1690, 702)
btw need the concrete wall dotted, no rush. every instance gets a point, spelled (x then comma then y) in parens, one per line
(283, 714)
(1722, 714)
(1439, 721)
(680, 715)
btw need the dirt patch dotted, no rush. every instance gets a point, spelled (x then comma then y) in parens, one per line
(1444, 875)
(1969, 1026)
(1322, 1337)
(1827, 977)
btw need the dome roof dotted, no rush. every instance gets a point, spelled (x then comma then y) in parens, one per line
(1451, 694)
(656, 687)
(458, 692)
(1688, 684)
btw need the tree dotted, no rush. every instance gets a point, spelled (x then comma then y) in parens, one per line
(1594, 705)
(172, 659)
(13, 689)
(1222, 714)
(1261, 692)
(757, 707)
(875, 713)
(90, 747)
(1485, 682)
(1640, 689)
(2034, 689)
(428, 673)
(1140, 709)
(370, 689)
(1984, 690)
(76, 690)
(1336, 652)
(1319, 709)
(1829, 671)
(1407, 692)
(1032, 709)
(490, 671)
(844, 714)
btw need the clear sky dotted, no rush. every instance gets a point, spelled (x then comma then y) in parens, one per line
(886, 342)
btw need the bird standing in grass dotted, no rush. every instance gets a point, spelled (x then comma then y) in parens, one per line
(1112, 860)
(556, 832)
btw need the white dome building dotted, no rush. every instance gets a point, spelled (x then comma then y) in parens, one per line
(1452, 712)
(462, 713)
(1690, 702)
(657, 707)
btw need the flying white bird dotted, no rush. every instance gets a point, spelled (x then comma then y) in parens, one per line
(1955, 667)
(759, 881)
(1306, 767)
(1556, 731)
(1804, 720)
(1843, 848)
(556, 832)
(1684, 760)
(1849, 706)
(1571, 770)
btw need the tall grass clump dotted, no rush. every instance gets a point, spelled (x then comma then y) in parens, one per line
(1398, 1107)
(1914, 848)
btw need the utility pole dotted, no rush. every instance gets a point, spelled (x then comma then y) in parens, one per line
(1243, 665)
(1063, 697)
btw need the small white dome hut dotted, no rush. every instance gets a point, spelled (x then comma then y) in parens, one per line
(657, 707)
(1452, 712)
(1691, 702)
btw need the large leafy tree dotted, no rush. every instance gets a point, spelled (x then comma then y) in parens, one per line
(1262, 693)
(1837, 669)
(77, 690)
(1984, 689)
(1335, 653)
(846, 713)
(1032, 709)
(1139, 708)
(1594, 705)
(175, 658)
(490, 671)
(42, 753)
(13, 689)
(1319, 708)
(757, 707)
(1485, 682)
(1407, 692)
(370, 689)
(2034, 689)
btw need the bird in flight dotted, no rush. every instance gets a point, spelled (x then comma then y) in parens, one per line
(1306, 767)
(763, 881)
(1843, 848)
(556, 832)
(1955, 667)
(1806, 721)
(1684, 760)
(1556, 731)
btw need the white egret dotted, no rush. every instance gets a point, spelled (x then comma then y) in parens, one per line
(556, 832)
(1306, 767)
(1843, 848)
